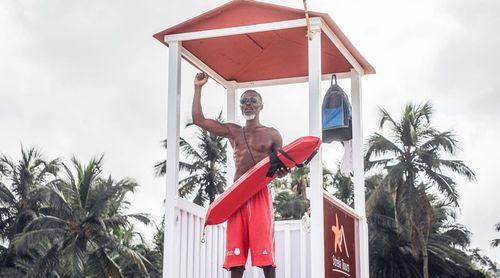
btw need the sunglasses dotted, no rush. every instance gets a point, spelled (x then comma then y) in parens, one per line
(245, 100)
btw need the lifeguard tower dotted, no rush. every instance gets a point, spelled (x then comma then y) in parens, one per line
(245, 44)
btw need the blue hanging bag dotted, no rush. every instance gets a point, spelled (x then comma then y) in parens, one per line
(337, 114)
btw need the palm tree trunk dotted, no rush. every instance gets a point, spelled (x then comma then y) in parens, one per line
(425, 259)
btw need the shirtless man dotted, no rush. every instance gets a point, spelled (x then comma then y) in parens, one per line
(252, 226)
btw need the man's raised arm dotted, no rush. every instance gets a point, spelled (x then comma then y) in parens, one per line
(197, 112)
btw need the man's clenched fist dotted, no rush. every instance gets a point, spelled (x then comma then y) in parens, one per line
(200, 79)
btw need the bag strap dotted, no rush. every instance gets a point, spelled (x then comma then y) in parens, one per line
(333, 77)
(248, 147)
(299, 165)
(277, 164)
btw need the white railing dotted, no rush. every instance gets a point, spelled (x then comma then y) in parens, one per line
(197, 259)
(204, 260)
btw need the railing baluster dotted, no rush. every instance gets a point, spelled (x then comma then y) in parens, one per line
(203, 257)
(288, 264)
(303, 255)
(215, 243)
(184, 239)
(196, 243)
(190, 245)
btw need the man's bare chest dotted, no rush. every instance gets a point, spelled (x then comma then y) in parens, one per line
(260, 140)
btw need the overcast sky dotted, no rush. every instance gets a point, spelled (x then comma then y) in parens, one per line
(86, 78)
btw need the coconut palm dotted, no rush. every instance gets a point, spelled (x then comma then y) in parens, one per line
(23, 186)
(448, 244)
(289, 205)
(343, 187)
(129, 237)
(496, 242)
(75, 237)
(391, 249)
(484, 263)
(412, 157)
(207, 169)
(390, 252)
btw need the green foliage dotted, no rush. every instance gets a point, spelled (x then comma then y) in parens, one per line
(411, 158)
(67, 220)
(343, 187)
(206, 169)
(496, 242)
(391, 251)
(289, 205)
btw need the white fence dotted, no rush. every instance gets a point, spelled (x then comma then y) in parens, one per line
(204, 260)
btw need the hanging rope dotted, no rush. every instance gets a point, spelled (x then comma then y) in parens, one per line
(308, 22)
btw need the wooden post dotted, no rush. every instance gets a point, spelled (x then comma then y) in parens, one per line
(230, 118)
(316, 171)
(359, 172)
(171, 238)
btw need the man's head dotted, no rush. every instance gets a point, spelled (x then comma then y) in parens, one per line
(250, 104)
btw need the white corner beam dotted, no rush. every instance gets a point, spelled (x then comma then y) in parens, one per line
(204, 67)
(341, 47)
(289, 80)
(315, 166)
(255, 28)
(170, 244)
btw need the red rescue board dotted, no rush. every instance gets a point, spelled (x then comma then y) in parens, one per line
(255, 180)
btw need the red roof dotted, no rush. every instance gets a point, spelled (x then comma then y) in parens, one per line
(264, 55)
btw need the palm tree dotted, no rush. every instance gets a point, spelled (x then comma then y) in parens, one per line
(448, 244)
(129, 237)
(289, 205)
(413, 162)
(391, 248)
(75, 236)
(291, 200)
(23, 186)
(496, 242)
(484, 263)
(343, 187)
(207, 169)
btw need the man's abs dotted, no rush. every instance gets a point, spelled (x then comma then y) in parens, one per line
(259, 145)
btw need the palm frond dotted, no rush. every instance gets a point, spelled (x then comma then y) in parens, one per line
(445, 185)
(441, 141)
(380, 145)
(87, 177)
(144, 218)
(99, 264)
(46, 222)
(458, 167)
(386, 117)
(423, 112)
(371, 164)
(160, 168)
(115, 222)
(25, 240)
(187, 185)
(49, 168)
(101, 201)
(47, 263)
(69, 187)
(6, 196)
(134, 256)
(51, 196)
(495, 242)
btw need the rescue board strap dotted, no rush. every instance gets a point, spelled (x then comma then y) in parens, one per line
(276, 163)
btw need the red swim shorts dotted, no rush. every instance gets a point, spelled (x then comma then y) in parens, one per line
(251, 227)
